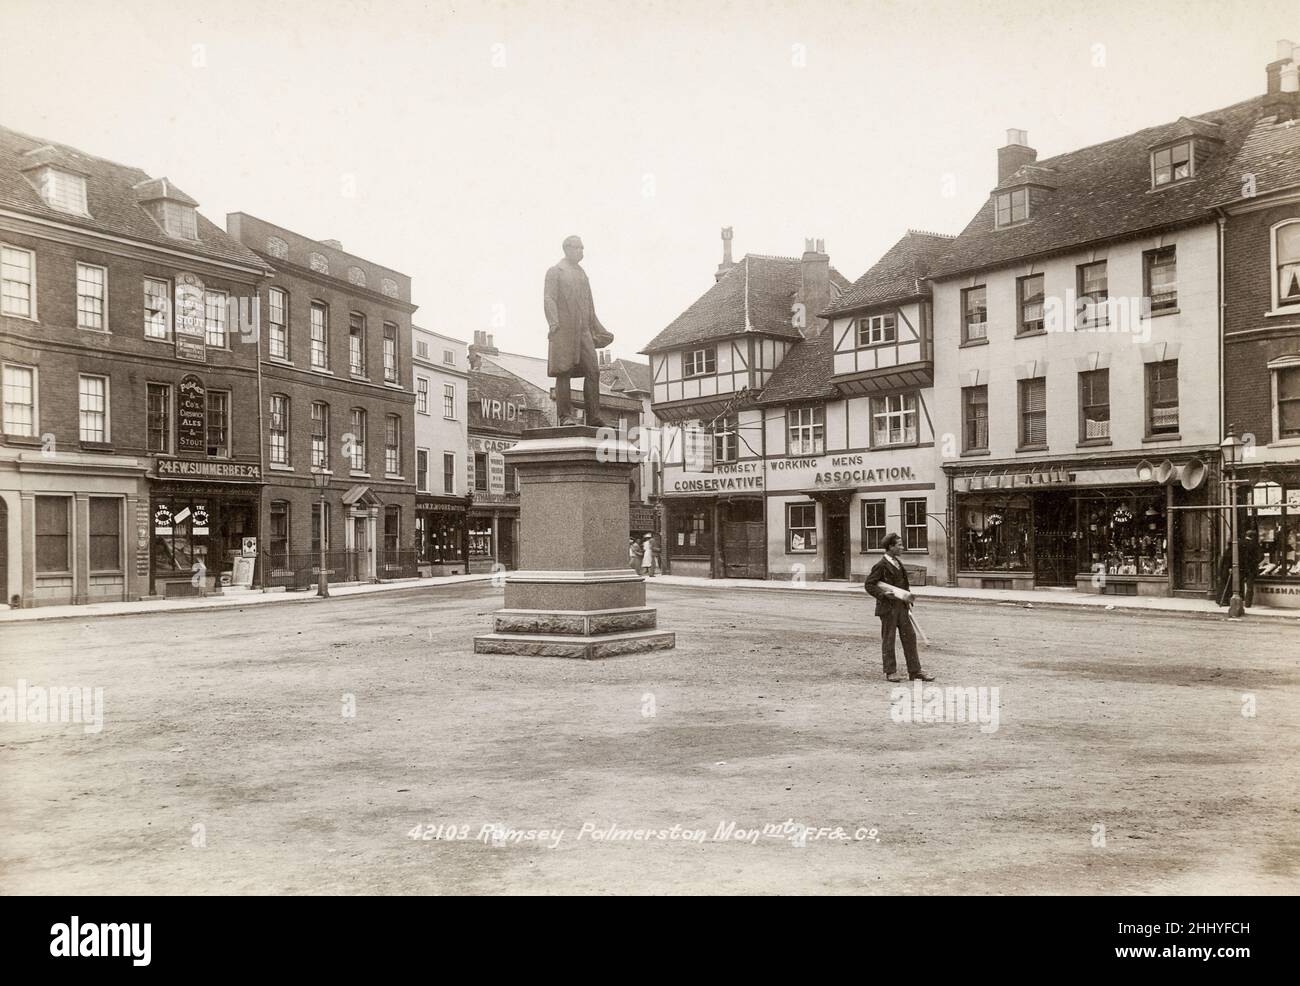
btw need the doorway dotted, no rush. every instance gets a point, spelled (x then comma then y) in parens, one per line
(1194, 540)
(1055, 549)
(837, 546)
(361, 548)
(744, 539)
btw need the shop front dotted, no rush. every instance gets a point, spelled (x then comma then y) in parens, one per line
(715, 523)
(441, 534)
(828, 515)
(493, 532)
(1121, 529)
(1272, 498)
(202, 526)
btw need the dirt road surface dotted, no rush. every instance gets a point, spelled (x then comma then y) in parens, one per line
(295, 748)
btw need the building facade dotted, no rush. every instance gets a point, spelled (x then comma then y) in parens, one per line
(1260, 215)
(849, 430)
(337, 395)
(129, 457)
(440, 369)
(1076, 330)
(708, 367)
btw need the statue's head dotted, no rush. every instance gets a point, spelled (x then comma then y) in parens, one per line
(573, 248)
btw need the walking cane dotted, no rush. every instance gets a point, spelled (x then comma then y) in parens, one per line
(917, 627)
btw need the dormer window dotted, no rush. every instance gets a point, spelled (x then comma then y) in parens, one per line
(63, 190)
(179, 220)
(1012, 207)
(1171, 164)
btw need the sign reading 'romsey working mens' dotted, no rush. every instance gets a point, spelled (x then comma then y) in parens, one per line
(831, 472)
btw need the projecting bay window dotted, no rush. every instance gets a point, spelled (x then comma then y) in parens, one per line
(1162, 398)
(700, 362)
(873, 525)
(279, 436)
(19, 391)
(320, 353)
(875, 330)
(975, 418)
(277, 321)
(1029, 304)
(800, 528)
(975, 314)
(807, 430)
(1160, 274)
(1033, 413)
(320, 435)
(218, 424)
(158, 415)
(92, 297)
(893, 420)
(1094, 406)
(17, 282)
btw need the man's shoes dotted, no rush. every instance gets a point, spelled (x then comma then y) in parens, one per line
(923, 676)
(568, 421)
(892, 677)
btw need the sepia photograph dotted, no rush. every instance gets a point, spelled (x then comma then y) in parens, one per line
(598, 448)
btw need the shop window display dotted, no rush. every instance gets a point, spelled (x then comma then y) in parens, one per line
(1124, 534)
(1275, 513)
(996, 533)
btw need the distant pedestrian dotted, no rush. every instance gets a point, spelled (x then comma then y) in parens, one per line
(887, 582)
(648, 556)
(1249, 554)
(656, 545)
(634, 554)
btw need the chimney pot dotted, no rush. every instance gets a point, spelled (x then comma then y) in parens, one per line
(1285, 50)
(1015, 154)
(727, 262)
(1018, 137)
(332, 243)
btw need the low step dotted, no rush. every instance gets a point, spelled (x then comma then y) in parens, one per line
(575, 622)
(582, 647)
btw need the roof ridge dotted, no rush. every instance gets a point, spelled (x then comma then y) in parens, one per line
(59, 145)
(748, 326)
(926, 232)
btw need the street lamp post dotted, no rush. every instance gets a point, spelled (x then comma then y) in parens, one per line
(321, 478)
(1231, 449)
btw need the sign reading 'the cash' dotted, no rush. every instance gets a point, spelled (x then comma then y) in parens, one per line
(192, 416)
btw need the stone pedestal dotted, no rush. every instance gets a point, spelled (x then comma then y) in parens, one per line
(574, 594)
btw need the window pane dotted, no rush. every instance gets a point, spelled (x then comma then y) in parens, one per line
(90, 297)
(16, 272)
(105, 534)
(19, 400)
(52, 534)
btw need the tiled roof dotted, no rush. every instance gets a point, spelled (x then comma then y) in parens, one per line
(896, 275)
(1271, 154)
(112, 195)
(1104, 192)
(805, 372)
(628, 376)
(756, 295)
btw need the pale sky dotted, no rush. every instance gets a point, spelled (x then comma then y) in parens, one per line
(461, 143)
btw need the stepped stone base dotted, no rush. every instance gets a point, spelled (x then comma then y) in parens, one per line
(581, 623)
(582, 647)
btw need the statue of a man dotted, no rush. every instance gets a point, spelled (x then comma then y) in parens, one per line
(575, 333)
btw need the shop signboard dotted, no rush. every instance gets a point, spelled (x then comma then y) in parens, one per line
(726, 477)
(496, 472)
(191, 313)
(191, 417)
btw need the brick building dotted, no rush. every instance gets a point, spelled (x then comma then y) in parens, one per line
(1259, 209)
(129, 448)
(336, 396)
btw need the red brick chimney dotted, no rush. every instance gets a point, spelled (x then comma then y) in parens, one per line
(814, 285)
(727, 262)
(1282, 100)
(1015, 155)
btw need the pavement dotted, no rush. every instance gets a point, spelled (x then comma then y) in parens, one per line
(1034, 599)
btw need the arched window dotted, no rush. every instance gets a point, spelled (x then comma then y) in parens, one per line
(1286, 263)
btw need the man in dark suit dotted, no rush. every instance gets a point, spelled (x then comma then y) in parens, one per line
(887, 581)
(574, 335)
